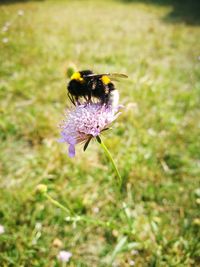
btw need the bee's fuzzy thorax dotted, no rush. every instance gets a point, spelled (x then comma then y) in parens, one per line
(105, 79)
(77, 76)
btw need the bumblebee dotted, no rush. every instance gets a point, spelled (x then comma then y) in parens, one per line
(88, 85)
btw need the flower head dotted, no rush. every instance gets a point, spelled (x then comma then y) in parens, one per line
(85, 121)
(64, 256)
(41, 188)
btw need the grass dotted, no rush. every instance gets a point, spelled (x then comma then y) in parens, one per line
(155, 142)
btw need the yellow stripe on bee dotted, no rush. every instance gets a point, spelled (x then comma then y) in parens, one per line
(105, 79)
(77, 76)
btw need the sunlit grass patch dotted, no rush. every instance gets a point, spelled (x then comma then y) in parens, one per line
(155, 141)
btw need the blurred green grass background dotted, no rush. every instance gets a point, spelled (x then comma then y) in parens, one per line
(155, 142)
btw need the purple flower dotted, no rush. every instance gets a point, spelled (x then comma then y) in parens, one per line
(85, 121)
(64, 256)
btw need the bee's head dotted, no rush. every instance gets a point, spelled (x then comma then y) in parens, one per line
(77, 77)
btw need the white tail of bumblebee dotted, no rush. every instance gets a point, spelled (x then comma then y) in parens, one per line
(114, 98)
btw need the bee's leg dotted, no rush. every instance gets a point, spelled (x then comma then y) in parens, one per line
(71, 98)
(101, 100)
(77, 100)
(86, 98)
(90, 98)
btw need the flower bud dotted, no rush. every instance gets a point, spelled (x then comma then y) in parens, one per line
(41, 188)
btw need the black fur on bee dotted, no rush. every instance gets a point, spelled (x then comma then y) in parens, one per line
(88, 85)
(78, 86)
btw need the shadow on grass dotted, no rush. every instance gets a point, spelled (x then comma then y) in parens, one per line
(187, 11)
(8, 2)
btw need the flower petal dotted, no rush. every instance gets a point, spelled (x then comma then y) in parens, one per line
(71, 151)
(85, 121)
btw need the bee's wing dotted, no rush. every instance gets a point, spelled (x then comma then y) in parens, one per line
(117, 75)
(112, 75)
(115, 79)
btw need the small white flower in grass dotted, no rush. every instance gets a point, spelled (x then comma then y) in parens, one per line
(96, 209)
(20, 12)
(2, 229)
(5, 40)
(85, 121)
(132, 263)
(134, 252)
(4, 29)
(7, 24)
(64, 256)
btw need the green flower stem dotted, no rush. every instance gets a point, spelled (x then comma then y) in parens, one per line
(107, 152)
(89, 220)
(56, 203)
(76, 218)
